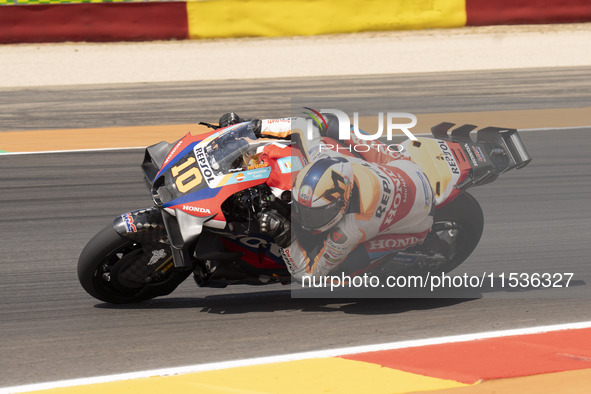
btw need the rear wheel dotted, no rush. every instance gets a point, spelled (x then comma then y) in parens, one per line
(459, 224)
(455, 233)
(115, 269)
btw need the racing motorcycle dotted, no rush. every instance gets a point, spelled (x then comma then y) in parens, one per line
(208, 188)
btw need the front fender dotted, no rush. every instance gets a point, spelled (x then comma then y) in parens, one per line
(141, 225)
(148, 226)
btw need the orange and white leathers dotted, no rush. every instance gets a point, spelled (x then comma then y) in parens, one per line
(392, 197)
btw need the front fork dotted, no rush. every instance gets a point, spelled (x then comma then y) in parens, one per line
(146, 226)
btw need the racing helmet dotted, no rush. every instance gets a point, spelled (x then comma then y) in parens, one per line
(321, 193)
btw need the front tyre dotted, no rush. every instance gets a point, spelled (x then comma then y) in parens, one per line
(118, 270)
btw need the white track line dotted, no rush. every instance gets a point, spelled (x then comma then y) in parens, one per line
(295, 356)
(143, 147)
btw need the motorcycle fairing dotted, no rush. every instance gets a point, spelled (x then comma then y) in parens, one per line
(186, 180)
(198, 173)
(257, 251)
(442, 162)
(494, 151)
(225, 258)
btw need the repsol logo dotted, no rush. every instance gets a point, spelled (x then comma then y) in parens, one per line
(449, 157)
(395, 204)
(400, 196)
(393, 188)
(203, 164)
(386, 191)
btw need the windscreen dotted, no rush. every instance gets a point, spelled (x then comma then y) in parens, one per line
(225, 152)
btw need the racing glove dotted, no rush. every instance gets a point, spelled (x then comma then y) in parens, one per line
(229, 119)
(275, 225)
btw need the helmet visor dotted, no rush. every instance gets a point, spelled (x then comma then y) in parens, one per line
(311, 218)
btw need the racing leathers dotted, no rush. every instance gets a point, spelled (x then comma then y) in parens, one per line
(391, 205)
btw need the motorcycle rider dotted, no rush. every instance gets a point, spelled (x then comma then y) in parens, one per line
(340, 202)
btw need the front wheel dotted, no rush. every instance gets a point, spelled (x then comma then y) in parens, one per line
(118, 270)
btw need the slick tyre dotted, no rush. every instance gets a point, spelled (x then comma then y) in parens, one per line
(111, 269)
(465, 215)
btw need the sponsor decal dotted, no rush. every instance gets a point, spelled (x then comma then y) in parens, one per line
(378, 245)
(448, 156)
(470, 154)
(338, 237)
(281, 120)
(289, 164)
(404, 259)
(306, 193)
(331, 260)
(400, 186)
(195, 209)
(386, 191)
(129, 223)
(289, 261)
(255, 166)
(203, 164)
(392, 183)
(479, 154)
(426, 190)
(334, 256)
(279, 128)
(260, 173)
(157, 255)
(173, 151)
(247, 176)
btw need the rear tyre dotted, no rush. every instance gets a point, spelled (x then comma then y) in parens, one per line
(461, 221)
(118, 270)
(456, 231)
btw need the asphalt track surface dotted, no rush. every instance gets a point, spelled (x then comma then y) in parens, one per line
(536, 220)
(89, 106)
